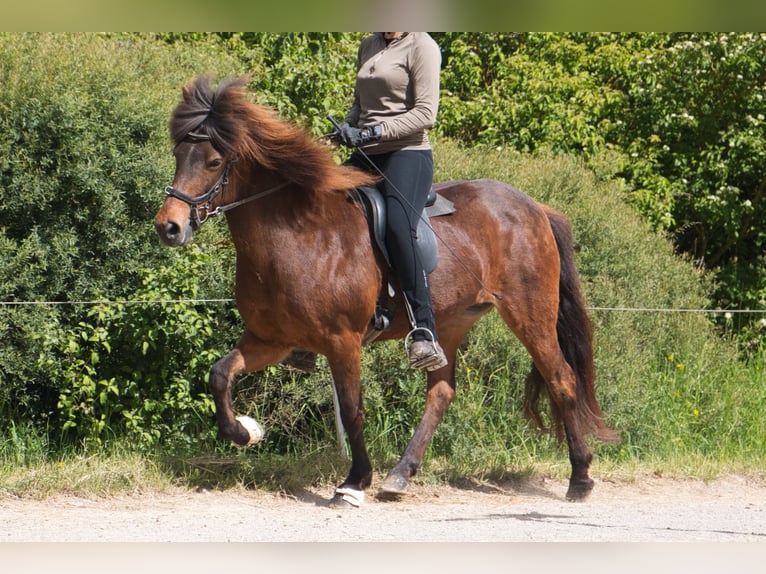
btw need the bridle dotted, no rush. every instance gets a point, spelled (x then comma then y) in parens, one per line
(202, 206)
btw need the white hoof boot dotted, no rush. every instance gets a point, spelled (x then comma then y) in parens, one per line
(353, 497)
(252, 427)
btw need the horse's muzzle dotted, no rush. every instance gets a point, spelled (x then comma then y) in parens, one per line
(172, 233)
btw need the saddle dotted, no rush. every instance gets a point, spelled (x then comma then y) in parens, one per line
(374, 208)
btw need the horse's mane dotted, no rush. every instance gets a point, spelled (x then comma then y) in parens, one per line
(249, 131)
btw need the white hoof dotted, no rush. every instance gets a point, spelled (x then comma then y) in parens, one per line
(255, 430)
(353, 497)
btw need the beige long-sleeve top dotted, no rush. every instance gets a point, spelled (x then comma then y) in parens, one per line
(397, 86)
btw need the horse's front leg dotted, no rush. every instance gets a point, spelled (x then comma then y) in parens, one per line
(345, 365)
(250, 354)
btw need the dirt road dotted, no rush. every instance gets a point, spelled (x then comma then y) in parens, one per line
(732, 509)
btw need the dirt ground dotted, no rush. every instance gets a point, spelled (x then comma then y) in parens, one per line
(529, 510)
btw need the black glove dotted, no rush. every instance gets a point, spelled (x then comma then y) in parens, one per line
(355, 137)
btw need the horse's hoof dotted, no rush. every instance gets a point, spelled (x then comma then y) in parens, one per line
(580, 490)
(347, 498)
(394, 484)
(254, 431)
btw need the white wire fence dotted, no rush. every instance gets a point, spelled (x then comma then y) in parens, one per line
(225, 300)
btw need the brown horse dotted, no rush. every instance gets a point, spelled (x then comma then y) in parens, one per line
(308, 275)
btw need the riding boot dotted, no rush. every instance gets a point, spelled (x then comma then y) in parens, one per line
(425, 353)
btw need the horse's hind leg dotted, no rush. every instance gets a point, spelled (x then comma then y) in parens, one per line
(538, 334)
(439, 394)
(345, 364)
(561, 384)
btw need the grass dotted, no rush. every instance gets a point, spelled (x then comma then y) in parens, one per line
(89, 474)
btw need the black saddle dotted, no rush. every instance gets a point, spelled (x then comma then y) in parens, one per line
(374, 208)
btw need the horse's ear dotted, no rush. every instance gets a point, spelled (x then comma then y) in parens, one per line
(186, 92)
(198, 85)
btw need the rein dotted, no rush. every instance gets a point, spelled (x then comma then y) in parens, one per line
(202, 206)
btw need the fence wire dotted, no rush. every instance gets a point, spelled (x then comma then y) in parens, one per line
(224, 300)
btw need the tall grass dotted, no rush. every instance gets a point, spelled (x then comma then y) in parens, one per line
(30, 466)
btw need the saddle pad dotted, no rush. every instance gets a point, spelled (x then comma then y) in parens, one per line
(442, 206)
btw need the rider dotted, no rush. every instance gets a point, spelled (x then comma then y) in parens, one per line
(396, 98)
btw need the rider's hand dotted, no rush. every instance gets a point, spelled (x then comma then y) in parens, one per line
(355, 137)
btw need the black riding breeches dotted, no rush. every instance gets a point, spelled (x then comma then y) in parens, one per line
(408, 176)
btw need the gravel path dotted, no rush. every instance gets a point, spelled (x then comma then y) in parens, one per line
(732, 509)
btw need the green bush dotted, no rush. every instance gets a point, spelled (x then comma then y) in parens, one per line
(137, 370)
(84, 155)
(682, 115)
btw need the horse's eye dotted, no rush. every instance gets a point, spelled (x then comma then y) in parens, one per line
(215, 163)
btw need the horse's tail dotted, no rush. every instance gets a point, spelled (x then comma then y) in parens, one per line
(575, 335)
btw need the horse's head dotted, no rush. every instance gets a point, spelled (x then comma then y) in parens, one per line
(198, 188)
(202, 134)
(213, 127)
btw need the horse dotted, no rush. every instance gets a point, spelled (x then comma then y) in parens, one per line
(308, 276)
